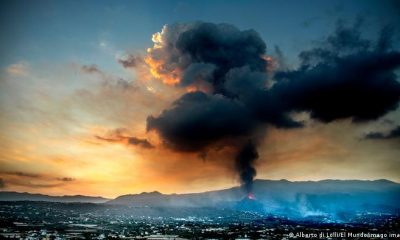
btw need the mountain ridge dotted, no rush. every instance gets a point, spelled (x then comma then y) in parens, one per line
(26, 196)
(264, 189)
(301, 198)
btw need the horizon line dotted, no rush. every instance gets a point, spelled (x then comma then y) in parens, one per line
(257, 179)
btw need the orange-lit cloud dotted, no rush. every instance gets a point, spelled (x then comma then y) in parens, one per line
(158, 71)
(157, 59)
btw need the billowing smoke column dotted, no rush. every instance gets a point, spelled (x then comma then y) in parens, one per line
(232, 99)
(245, 165)
(224, 66)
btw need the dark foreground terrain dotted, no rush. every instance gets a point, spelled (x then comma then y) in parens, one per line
(50, 220)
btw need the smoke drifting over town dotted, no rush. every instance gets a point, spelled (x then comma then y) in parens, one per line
(232, 98)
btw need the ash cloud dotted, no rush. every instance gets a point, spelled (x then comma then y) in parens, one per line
(190, 51)
(244, 164)
(344, 77)
(197, 120)
(347, 77)
(394, 133)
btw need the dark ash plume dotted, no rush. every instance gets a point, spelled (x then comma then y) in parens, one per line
(197, 120)
(345, 77)
(230, 63)
(244, 163)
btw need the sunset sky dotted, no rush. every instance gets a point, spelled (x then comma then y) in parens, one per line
(79, 79)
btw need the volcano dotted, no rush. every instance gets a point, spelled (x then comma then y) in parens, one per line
(250, 203)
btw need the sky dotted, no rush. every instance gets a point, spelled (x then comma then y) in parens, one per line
(79, 81)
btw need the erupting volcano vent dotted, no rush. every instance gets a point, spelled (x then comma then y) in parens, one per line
(250, 203)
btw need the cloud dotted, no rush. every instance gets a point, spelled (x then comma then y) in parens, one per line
(182, 46)
(347, 77)
(24, 174)
(197, 120)
(394, 133)
(131, 61)
(18, 69)
(224, 66)
(121, 135)
(34, 185)
(91, 69)
(108, 80)
(17, 176)
(2, 183)
(140, 142)
(66, 179)
(25, 180)
(344, 77)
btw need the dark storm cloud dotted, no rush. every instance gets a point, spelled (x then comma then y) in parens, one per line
(394, 133)
(131, 61)
(345, 77)
(121, 135)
